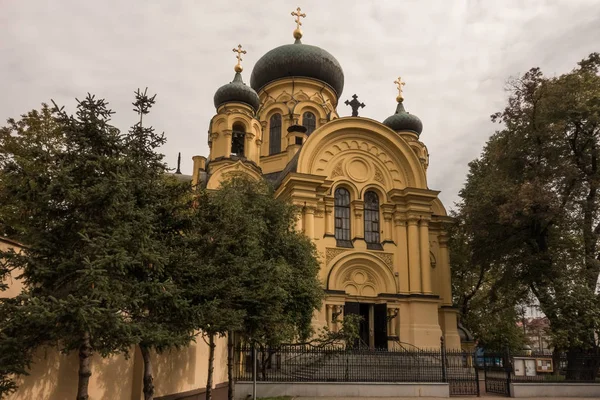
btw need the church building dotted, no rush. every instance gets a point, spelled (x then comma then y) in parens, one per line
(361, 186)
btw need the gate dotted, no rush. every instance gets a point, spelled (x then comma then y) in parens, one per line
(462, 373)
(497, 371)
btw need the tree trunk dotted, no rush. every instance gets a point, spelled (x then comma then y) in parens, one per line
(85, 370)
(230, 355)
(211, 365)
(148, 374)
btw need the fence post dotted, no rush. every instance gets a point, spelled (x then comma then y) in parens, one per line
(508, 368)
(475, 364)
(443, 351)
(254, 373)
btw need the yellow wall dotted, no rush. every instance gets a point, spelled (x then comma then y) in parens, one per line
(14, 285)
(53, 376)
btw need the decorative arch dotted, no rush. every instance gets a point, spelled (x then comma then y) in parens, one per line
(346, 184)
(274, 108)
(310, 106)
(229, 170)
(238, 119)
(377, 188)
(364, 150)
(361, 274)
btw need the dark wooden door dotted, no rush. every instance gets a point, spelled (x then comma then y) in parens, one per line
(380, 326)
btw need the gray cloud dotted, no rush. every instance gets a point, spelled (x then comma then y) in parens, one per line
(454, 55)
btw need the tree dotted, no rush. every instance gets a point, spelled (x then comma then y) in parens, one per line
(264, 282)
(158, 306)
(63, 193)
(530, 205)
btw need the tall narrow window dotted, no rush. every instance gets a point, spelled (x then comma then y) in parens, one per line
(275, 134)
(238, 137)
(372, 221)
(342, 217)
(309, 122)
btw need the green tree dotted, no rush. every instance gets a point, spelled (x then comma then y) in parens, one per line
(530, 205)
(264, 283)
(159, 307)
(63, 193)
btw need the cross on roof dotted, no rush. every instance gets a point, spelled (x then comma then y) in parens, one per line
(355, 104)
(239, 52)
(399, 83)
(298, 14)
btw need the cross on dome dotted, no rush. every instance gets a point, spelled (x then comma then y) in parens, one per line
(238, 67)
(298, 14)
(399, 83)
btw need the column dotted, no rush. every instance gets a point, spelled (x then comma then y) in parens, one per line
(300, 218)
(329, 224)
(402, 254)
(328, 315)
(425, 257)
(227, 133)
(309, 221)
(444, 265)
(413, 255)
(387, 224)
(339, 310)
(359, 223)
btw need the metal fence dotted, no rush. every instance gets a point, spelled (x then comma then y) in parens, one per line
(301, 363)
(502, 369)
(574, 366)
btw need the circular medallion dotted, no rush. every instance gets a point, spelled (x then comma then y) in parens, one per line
(358, 170)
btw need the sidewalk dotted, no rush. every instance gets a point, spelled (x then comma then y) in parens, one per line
(436, 398)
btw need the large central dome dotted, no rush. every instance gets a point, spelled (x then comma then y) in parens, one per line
(299, 60)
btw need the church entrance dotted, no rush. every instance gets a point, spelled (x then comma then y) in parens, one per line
(373, 324)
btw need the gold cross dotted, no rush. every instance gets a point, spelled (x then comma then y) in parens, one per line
(298, 14)
(239, 51)
(399, 83)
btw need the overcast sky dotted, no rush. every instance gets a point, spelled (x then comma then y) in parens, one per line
(455, 56)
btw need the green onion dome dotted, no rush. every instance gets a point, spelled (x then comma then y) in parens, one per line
(236, 92)
(298, 60)
(404, 121)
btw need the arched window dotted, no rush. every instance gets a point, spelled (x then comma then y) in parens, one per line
(275, 134)
(238, 137)
(309, 122)
(372, 221)
(342, 217)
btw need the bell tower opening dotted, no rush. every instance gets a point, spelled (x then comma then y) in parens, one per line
(238, 137)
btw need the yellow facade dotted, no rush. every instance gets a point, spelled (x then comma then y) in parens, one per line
(411, 271)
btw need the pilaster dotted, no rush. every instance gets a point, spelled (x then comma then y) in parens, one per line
(425, 257)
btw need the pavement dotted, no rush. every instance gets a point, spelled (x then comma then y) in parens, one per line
(492, 397)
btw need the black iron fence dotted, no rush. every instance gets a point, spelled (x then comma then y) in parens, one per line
(502, 369)
(574, 366)
(302, 363)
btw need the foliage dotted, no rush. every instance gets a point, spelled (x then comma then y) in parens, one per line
(529, 219)
(263, 274)
(266, 283)
(61, 193)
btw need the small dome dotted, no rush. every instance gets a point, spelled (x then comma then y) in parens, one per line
(301, 60)
(464, 334)
(236, 91)
(404, 121)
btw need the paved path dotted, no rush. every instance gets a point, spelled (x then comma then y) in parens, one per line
(437, 398)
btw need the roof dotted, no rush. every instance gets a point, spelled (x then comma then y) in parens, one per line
(298, 60)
